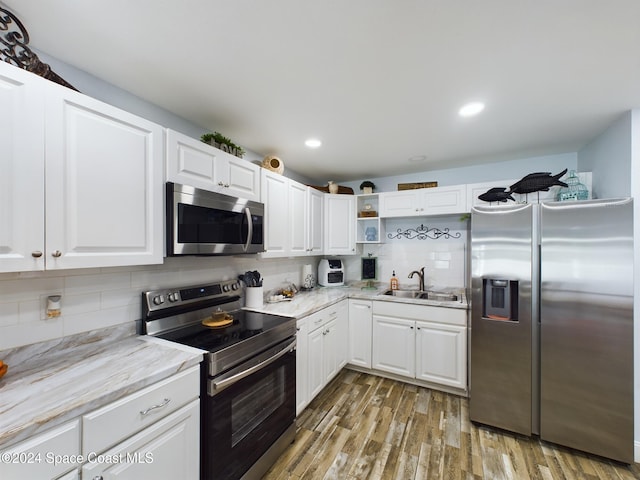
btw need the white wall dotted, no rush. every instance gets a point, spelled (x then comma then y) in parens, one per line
(608, 158)
(517, 168)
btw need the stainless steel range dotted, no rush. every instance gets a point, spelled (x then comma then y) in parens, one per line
(248, 381)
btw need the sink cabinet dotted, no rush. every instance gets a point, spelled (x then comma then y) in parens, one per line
(421, 342)
(100, 180)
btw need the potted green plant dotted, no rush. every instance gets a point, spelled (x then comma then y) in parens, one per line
(216, 139)
(367, 187)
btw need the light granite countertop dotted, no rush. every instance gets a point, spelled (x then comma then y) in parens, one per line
(52, 382)
(307, 302)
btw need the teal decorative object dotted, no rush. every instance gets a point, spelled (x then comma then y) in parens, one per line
(574, 190)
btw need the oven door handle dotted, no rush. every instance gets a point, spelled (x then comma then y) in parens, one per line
(217, 387)
(247, 213)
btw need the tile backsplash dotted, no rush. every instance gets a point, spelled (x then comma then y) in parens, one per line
(437, 243)
(103, 297)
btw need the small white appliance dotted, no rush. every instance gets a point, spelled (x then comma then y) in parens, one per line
(330, 272)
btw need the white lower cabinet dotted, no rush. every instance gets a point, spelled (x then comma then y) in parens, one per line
(421, 342)
(35, 457)
(327, 345)
(170, 448)
(394, 345)
(360, 317)
(152, 433)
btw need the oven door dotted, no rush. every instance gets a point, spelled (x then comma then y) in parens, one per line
(246, 410)
(200, 222)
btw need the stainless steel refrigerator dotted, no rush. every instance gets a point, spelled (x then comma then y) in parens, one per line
(552, 322)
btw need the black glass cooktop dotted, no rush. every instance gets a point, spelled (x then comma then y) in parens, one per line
(246, 324)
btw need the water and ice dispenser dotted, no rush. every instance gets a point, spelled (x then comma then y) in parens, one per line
(500, 299)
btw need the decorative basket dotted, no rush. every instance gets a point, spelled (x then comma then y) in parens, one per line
(273, 163)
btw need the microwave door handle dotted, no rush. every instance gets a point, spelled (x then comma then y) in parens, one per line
(247, 213)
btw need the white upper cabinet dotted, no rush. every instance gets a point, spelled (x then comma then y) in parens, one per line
(315, 222)
(195, 163)
(103, 184)
(22, 167)
(339, 226)
(100, 179)
(293, 217)
(424, 201)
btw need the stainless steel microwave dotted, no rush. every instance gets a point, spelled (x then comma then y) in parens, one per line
(200, 222)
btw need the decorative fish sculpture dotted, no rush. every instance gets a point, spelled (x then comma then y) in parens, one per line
(535, 182)
(497, 194)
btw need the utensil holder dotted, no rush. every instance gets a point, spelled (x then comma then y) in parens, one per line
(254, 297)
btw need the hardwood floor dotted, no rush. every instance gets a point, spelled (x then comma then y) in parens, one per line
(367, 427)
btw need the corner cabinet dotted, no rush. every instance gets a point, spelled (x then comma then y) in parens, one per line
(195, 163)
(293, 217)
(339, 228)
(101, 180)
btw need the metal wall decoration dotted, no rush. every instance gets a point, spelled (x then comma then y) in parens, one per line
(14, 50)
(423, 233)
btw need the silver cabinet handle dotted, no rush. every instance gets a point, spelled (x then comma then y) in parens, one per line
(164, 403)
(36, 254)
(56, 254)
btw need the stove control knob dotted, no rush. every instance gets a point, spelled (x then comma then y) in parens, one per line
(159, 300)
(173, 297)
(225, 288)
(235, 286)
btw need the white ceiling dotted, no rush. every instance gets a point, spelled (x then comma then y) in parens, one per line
(378, 81)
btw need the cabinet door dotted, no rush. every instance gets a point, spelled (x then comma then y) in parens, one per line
(302, 365)
(32, 454)
(330, 346)
(441, 354)
(191, 162)
(342, 336)
(22, 167)
(315, 221)
(240, 178)
(400, 204)
(444, 200)
(339, 225)
(316, 362)
(103, 184)
(360, 333)
(297, 227)
(170, 448)
(275, 192)
(394, 345)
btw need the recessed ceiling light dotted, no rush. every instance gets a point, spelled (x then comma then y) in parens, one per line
(418, 158)
(312, 143)
(471, 109)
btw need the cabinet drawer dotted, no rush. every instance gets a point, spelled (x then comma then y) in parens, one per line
(452, 316)
(109, 425)
(34, 458)
(322, 317)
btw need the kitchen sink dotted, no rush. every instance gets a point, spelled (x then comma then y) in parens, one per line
(423, 295)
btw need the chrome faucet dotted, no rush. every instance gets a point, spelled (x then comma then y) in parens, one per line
(421, 275)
